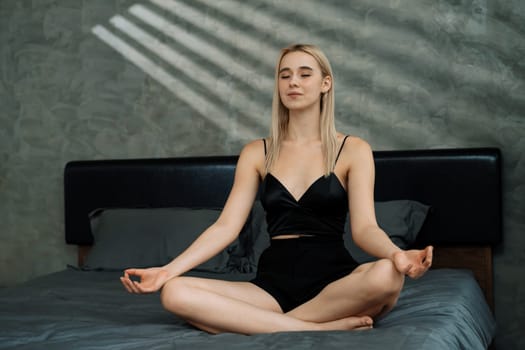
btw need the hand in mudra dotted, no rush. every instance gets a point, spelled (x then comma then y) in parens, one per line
(414, 263)
(150, 280)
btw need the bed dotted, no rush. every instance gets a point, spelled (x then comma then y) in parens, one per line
(144, 211)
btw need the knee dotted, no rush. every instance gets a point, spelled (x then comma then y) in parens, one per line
(385, 278)
(174, 295)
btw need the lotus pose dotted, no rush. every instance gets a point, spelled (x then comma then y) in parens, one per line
(310, 176)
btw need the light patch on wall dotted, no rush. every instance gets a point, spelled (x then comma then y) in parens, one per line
(186, 66)
(247, 78)
(199, 47)
(201, 104)
(250, 47)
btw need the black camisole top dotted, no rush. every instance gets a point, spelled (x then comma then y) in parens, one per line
(321, 211)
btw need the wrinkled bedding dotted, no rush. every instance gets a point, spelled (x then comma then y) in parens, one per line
(75, 309)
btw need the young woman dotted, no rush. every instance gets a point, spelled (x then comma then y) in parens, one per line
(311, 176)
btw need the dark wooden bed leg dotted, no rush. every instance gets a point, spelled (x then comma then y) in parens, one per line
(83, 251)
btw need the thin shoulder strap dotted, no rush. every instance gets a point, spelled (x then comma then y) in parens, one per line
(264, 141)
(340, 149)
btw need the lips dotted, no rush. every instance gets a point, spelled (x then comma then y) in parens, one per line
(294, 93)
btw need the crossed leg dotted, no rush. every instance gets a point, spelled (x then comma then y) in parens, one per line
(241, 307)
(372, 289)
(220, 306)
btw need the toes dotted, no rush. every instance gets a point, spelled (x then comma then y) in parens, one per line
(359, 323)
(367, 321)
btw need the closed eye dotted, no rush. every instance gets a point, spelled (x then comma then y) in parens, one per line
(302, 76)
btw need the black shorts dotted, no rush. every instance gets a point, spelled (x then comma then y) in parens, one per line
(295, 270)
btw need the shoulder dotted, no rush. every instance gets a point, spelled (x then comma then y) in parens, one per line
(355, 150)
(254, 149)
(353, 145)
(252, 155)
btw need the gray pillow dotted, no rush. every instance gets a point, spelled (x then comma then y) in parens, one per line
(145, 237)
(400, 219)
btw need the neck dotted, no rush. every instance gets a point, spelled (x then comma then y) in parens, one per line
(304, 125)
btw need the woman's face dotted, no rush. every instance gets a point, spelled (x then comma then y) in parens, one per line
(300, 81)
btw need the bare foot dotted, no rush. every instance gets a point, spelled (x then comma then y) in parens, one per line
(349, 323)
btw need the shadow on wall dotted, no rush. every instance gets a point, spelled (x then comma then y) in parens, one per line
(405, 67)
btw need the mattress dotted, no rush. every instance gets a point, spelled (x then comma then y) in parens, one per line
(74, 309)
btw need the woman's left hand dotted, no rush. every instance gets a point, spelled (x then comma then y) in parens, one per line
(413, 263)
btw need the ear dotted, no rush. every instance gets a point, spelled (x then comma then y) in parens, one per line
(326, 85)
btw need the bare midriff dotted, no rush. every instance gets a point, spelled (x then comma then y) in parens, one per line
(291, 236)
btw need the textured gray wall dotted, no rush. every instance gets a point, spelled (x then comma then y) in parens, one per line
(110, 79)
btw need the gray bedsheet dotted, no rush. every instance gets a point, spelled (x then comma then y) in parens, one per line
(90, 310)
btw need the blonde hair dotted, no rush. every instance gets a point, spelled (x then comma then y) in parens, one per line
(280, 114)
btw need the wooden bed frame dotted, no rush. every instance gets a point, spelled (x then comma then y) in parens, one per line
(478, 259)
(462, 186)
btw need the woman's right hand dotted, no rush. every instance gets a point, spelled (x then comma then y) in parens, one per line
(150, 280)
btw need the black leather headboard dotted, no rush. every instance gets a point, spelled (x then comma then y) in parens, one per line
(463, 186)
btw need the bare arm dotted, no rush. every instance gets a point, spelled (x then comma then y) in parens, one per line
(216, 237)
(361, 178)
(229, 224)
(365, 231)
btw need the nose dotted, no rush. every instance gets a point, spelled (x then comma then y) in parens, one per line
(293, 80)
